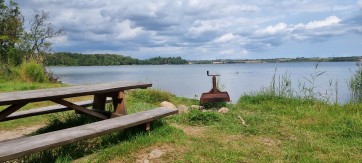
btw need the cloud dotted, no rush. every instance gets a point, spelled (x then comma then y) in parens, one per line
(123, 30)
(195, 28)
(225, 38)
(329, 21)
(272, 30)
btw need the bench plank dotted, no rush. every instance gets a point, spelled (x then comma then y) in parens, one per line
(10, 98)
(23, 146)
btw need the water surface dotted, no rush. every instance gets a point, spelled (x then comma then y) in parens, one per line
(191, 80)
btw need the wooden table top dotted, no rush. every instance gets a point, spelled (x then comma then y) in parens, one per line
(9, 98)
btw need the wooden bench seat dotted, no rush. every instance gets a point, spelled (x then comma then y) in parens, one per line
(16, 148)
(47, 110)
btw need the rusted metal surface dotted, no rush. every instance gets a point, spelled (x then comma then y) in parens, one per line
(214, 95)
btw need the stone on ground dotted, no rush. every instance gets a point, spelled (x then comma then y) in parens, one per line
(182, 109)
(168, 105)
(223, 110)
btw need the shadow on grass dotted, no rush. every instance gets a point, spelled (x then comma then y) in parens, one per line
(79, 149)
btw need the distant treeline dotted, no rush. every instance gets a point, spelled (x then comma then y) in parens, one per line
(275, 60)
(76, 59)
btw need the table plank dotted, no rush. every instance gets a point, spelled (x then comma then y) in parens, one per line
(9, 98)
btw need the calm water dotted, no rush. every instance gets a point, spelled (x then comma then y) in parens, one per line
(191, 80)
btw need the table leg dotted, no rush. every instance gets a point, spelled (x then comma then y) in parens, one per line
(99, 102)
(119, 104)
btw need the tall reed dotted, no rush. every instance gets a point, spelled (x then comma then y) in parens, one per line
(355, 84)
(281, 86)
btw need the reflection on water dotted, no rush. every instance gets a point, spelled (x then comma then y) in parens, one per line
(191, 80)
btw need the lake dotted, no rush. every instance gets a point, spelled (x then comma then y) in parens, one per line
(237, 79)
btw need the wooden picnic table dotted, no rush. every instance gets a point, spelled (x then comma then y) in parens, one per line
(115, 90)
(20, 147)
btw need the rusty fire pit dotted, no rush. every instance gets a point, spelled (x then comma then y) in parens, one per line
(214, 95)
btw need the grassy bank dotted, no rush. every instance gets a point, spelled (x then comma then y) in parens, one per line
(258, 128)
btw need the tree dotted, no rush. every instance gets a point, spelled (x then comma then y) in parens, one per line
(37, 40)
(11, 30)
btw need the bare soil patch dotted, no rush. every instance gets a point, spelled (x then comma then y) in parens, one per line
(18, 132)
(194, 131)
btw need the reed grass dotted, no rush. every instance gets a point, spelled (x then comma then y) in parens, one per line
(282, 86)
(355, 84)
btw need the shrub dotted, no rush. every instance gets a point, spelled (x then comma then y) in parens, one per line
(33, 71)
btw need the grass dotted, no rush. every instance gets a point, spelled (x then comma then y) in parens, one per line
(259, 128)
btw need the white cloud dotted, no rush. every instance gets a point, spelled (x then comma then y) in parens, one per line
(225, 38)
(241, 8)
(125, 31)
(329, 21)
(201, 26)
(271, 30)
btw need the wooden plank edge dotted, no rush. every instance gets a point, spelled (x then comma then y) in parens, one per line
(19, 153)
(38, 98)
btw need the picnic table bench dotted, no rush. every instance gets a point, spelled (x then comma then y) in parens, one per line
(102, 93)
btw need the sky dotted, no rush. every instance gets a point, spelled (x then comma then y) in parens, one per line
(205, 29)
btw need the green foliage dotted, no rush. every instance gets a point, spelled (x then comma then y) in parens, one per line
(152, 96)
(33, 71)
(18, 45)
(76, 59)
(11, 30)
(355, 85)
(161, 61)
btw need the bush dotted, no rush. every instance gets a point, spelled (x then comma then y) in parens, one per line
(152, 96)
(32, 71)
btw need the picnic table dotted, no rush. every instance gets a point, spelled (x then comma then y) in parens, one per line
(112, 121)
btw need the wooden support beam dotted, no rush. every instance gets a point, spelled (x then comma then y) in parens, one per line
(47, 110)
(79, 108)
(99, 102)
(11, 109)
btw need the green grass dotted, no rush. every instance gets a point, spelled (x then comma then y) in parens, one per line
(258, 128)
(8, 86)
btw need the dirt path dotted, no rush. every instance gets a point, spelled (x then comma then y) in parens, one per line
(18, 132)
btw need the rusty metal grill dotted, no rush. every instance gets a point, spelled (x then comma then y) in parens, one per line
(214, 95)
